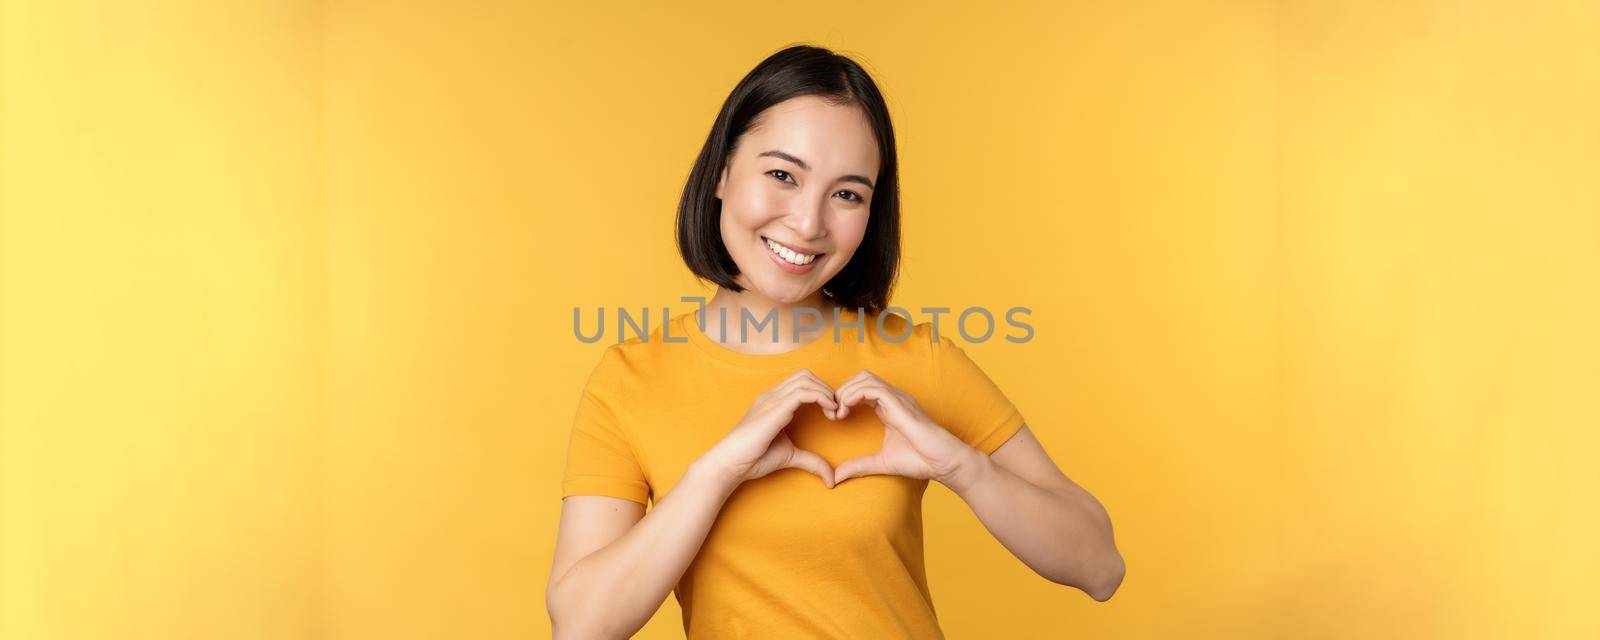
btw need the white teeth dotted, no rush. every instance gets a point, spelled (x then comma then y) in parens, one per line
(792, 256)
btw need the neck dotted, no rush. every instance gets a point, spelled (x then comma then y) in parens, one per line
(759, 307)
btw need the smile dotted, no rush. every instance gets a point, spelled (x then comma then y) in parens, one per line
(789, 259)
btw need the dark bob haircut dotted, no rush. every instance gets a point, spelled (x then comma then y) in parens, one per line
(866, 281)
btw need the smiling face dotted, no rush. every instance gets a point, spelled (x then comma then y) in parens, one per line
(796, 194)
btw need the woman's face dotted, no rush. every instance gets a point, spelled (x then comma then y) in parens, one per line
(796, 194)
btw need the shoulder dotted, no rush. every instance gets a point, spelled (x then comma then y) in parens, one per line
(638, 356)
(894, 334)
(931, 344)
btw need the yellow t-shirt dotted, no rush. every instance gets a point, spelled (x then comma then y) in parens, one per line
(787, 557)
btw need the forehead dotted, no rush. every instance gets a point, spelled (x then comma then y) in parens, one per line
(831, 138)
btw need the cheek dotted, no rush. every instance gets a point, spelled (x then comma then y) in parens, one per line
(753, 207)
(851, 229)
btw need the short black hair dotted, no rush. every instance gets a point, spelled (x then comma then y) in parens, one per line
(867, 280)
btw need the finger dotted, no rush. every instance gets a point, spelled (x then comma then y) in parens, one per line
(844, 407)
(862, 378)
(830, 399)
(863, 374)
(803, 377)
(856, 392)
(813, 463)
(871, 465)
(809, 374)
(790, 382)
(831, 412)
(889, 405)
(800, 383)
(791, 400)
(811, 381)
(868, 378)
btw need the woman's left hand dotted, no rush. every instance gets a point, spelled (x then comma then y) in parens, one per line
(914, 445)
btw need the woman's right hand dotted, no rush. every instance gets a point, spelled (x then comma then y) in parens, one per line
(757, 445)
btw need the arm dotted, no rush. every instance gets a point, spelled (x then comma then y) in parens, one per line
(613, 568)
(1044, 518)
(614, 564)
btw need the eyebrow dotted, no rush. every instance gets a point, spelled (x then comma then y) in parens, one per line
(784, 156)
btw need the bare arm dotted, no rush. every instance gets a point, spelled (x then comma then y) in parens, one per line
(1044, 518)
(614, 564)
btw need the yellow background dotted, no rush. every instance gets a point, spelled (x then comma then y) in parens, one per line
(286, 293)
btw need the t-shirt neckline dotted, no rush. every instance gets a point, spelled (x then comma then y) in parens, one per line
(821, 345)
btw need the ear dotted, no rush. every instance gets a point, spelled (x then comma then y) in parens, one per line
(721, 179)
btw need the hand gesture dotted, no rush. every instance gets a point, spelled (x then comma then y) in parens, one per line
(757, 445)
(914, 445)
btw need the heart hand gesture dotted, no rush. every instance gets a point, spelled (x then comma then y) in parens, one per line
(758, 445)
(914, 445)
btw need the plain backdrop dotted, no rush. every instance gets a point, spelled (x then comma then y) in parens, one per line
(286, 293)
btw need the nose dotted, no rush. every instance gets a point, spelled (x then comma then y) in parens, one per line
(807, 219)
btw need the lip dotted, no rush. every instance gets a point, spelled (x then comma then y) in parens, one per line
(785, 264)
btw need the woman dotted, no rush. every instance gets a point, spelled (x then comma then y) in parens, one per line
(782, 509)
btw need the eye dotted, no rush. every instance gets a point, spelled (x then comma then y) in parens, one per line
(782, 176)
(850, 196)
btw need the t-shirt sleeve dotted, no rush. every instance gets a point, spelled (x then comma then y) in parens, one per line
(600, 456)
(971, 405)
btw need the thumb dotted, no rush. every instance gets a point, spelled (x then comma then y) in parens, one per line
(859, 466)
(809, 461)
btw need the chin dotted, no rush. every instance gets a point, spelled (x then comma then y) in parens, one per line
(783, 293)
(786, 295)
